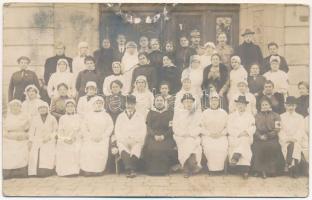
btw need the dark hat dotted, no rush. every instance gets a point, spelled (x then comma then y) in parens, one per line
(291, 100)
(248, 31)
(241, 99)
(130, 99)
(187, 96)
(23, 58)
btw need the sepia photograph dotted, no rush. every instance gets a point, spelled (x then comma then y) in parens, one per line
(155, 99)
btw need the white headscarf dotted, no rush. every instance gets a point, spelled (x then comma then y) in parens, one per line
(33, 87)
(143, 78)
(67, 65)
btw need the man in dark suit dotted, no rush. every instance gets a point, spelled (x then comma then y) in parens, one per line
(249, 52)
(50, 64)
(273, 50)
(195, 39)
(120, 48)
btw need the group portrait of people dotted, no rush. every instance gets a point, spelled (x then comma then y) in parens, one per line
(146, 107)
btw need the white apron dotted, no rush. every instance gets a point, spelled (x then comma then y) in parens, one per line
(15, 153)
(237, 124)
(44, 152)
(93, 155)
(215, 149)
(186, 130)
(130, 133)
(67, 155)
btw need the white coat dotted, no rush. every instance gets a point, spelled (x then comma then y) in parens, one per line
(40, 131)
(67, 155)
(78, 65)
(213, 123)
(130, 133)
(292, 128)
(93, 155)
(238, 123)
(186, 128)
(15, 153)
(144, 102)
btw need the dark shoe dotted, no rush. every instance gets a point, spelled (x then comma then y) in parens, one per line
(245, 176)
(264, 176)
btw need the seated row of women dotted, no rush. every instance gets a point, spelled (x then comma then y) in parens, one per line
(266, 143)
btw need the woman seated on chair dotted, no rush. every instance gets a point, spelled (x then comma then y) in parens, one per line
(159, 153)
(213, 135)
(267, 155)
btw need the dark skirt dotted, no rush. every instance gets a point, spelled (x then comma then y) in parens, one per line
(267, 156)
(15, 173)
(159, 156)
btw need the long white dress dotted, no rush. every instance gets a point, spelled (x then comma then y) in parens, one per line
(67, 155)
(196, 76)
(93, 155)
(108, 80)
(238, 123)
(251, 106)
(31, 107)
(15, 153)
(38, 132)
(305, 139)
(215, 149)
(292, 127)
(236, 76)
(186, 128)
(130, 133)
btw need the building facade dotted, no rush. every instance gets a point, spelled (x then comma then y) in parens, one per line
(32, 29)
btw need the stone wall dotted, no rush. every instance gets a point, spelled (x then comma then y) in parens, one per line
(288, 25)
(32, 29)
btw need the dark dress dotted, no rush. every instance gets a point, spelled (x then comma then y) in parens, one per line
(217, 83)
(277, 101)
(267, 154)
(85, 76)
(19, 81)
(172, 75)
(182, 57)
(156, 58)
(149, 71)
(250, 53)
(255, 84)
(114, 105)
(303, 105)
(103, 61)
(267, 66)
(50, 66)
(159, 156)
